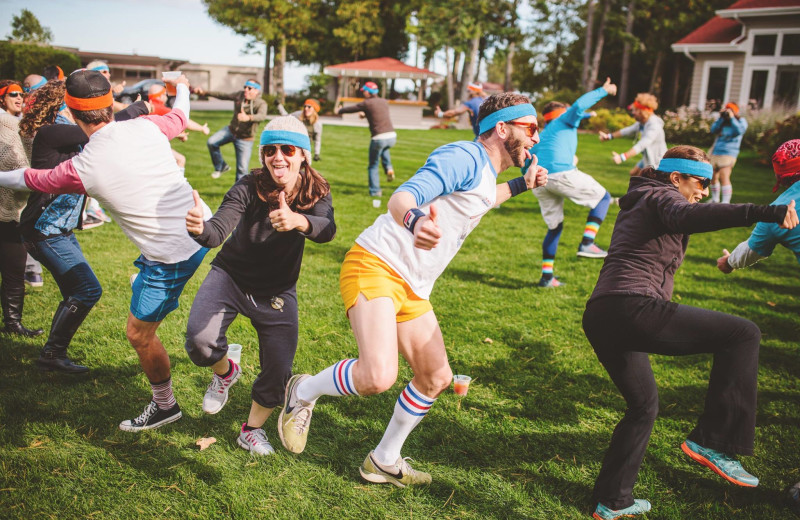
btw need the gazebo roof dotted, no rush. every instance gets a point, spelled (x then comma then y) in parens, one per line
(379, 68)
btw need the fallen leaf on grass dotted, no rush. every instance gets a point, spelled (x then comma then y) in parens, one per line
(488, 340)
(771, 304)
(205, 442)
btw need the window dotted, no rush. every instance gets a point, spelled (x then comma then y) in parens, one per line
(716, 90)
(764, 44)
(787, 88)
(791, 45)
(758, 89)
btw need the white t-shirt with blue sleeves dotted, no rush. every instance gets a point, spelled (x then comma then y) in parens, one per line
(461, 181)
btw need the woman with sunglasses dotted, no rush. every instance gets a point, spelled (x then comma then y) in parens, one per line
(11, 95)
(309, 116)
(630, 315)
(271, 213)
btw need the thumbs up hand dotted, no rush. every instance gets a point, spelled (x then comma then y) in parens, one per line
(283, 218)
(427, 232)
(722, 262)
(241, 116)
(790, 220)
(194, 218)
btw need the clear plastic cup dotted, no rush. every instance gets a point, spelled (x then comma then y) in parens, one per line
(235, 353)
(376, 203)
(461, 384)
(170, 75)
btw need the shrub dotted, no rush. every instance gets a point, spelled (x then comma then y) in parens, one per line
(21, 59)
(782, 131)
(608, 120)
(688, 126)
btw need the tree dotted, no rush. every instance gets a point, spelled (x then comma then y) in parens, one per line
(25, 27)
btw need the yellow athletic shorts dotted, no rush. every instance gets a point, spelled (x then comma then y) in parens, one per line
(364, 273)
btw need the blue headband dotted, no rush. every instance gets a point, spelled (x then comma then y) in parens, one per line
(686, 166)
(253, 84)
(41, 83)
(285, 137)
(370, 90)
(506, 114)
(100, 67)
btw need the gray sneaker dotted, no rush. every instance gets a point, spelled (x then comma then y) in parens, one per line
(295, 418)
(255, 441)
(217, 391)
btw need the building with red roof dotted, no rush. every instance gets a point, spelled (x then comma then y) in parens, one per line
(749, 53)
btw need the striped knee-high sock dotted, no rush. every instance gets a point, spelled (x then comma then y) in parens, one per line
(162, 394)
(547, 268)
(336, 380)
(590, 232)
(715, 192)
(410, 408)
(727, 191)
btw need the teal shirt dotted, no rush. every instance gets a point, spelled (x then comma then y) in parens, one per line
(766, 236)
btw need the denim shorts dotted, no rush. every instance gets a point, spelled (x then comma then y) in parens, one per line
(158, 286)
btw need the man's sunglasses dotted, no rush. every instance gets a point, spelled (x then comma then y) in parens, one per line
(530, 128)
(14, 94)
(704, 182)
(287, 150)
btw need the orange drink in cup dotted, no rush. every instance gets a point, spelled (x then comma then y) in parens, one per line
(171, 75)
(461, 384)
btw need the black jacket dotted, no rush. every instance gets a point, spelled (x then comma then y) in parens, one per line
(652, 232)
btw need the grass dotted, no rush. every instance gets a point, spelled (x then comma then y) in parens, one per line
(525, 443)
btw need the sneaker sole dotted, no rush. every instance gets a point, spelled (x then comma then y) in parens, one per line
(34, 284)
(598, 517)
(226, 396)
(151, 426)
(592, 255)
(376, 478)
(705, 462)
(289, 387)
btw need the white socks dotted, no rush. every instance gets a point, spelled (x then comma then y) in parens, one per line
(336, 380)
(715, 192)
(410, 408)
(727, 191)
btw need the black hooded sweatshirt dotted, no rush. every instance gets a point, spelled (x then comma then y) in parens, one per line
(652, 232)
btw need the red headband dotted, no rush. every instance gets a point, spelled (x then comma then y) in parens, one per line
(554, 113)
(10, 88)
(640, 106)
(313, 102)
(95, 103)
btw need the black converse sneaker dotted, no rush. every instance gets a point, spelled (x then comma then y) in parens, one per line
(152, 417)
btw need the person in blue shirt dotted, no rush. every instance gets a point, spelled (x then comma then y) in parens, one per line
(729, 129)
(471, 106)
(556, 153)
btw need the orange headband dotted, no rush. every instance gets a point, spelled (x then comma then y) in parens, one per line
(554, 113)
(10, 88)
(95, 103)
(313, 103)
(156, 94)
(733, 106)
(640, 106)
(60, 73)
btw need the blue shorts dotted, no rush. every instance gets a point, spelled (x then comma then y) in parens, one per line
(158, 286)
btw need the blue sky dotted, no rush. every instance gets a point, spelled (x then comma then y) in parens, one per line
(166, 28)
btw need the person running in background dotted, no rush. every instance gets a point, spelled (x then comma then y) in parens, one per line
(309, 116)
(48, 220)
(556, 152)
(649, 127)
(376, 110)
(12, 251)
(630, 315)
(128, 167)
(472, 105)
(249, 109)
(729, 129)
(271, 212)
(388, 275)
(157, 96)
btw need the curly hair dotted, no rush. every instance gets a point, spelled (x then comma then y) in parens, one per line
(44, 108)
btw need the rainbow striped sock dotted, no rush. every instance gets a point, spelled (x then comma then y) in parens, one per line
(590, 231)
(547, 267)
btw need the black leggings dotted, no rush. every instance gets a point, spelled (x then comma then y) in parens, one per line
(622, 331)
(13, 258)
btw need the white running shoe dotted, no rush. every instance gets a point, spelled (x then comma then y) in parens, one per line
(255, 441)
(217, 391)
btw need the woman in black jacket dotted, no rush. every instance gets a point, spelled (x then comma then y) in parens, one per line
(271, 211)
(630, 315)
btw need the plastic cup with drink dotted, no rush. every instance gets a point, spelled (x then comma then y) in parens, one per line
(235, 353)
(461, 384)
(168, 76)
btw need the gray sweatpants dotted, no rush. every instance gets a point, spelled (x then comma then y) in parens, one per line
(218, 301)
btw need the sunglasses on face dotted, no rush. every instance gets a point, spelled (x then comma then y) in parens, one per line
(530, 128)
(14, 94)
(704, 182)
(248, 87)
(307, 106)
(287, 150)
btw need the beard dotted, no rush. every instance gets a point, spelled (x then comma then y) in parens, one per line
(516, 150)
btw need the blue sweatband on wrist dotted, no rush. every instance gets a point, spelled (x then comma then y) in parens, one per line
(411, 217)
(506, 114)
(285, 137)
(517, 186)
(687, 166)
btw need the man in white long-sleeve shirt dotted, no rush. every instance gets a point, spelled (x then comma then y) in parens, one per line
(650, 128)
(129, 168)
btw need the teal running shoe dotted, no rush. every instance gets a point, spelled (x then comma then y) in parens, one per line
(639, 507)
(720, 463)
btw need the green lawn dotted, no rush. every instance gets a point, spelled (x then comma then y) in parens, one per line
(525, 443)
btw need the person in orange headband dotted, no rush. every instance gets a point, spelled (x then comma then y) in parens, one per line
(729, 129)
(157, 97)
(11, 95)
(309, 115)
(648, 127)
(471, 106)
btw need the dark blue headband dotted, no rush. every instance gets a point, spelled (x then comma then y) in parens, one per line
(686, 166)
(506, 114)
(285, 137)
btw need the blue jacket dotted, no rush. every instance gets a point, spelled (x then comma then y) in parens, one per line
(730, 135)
